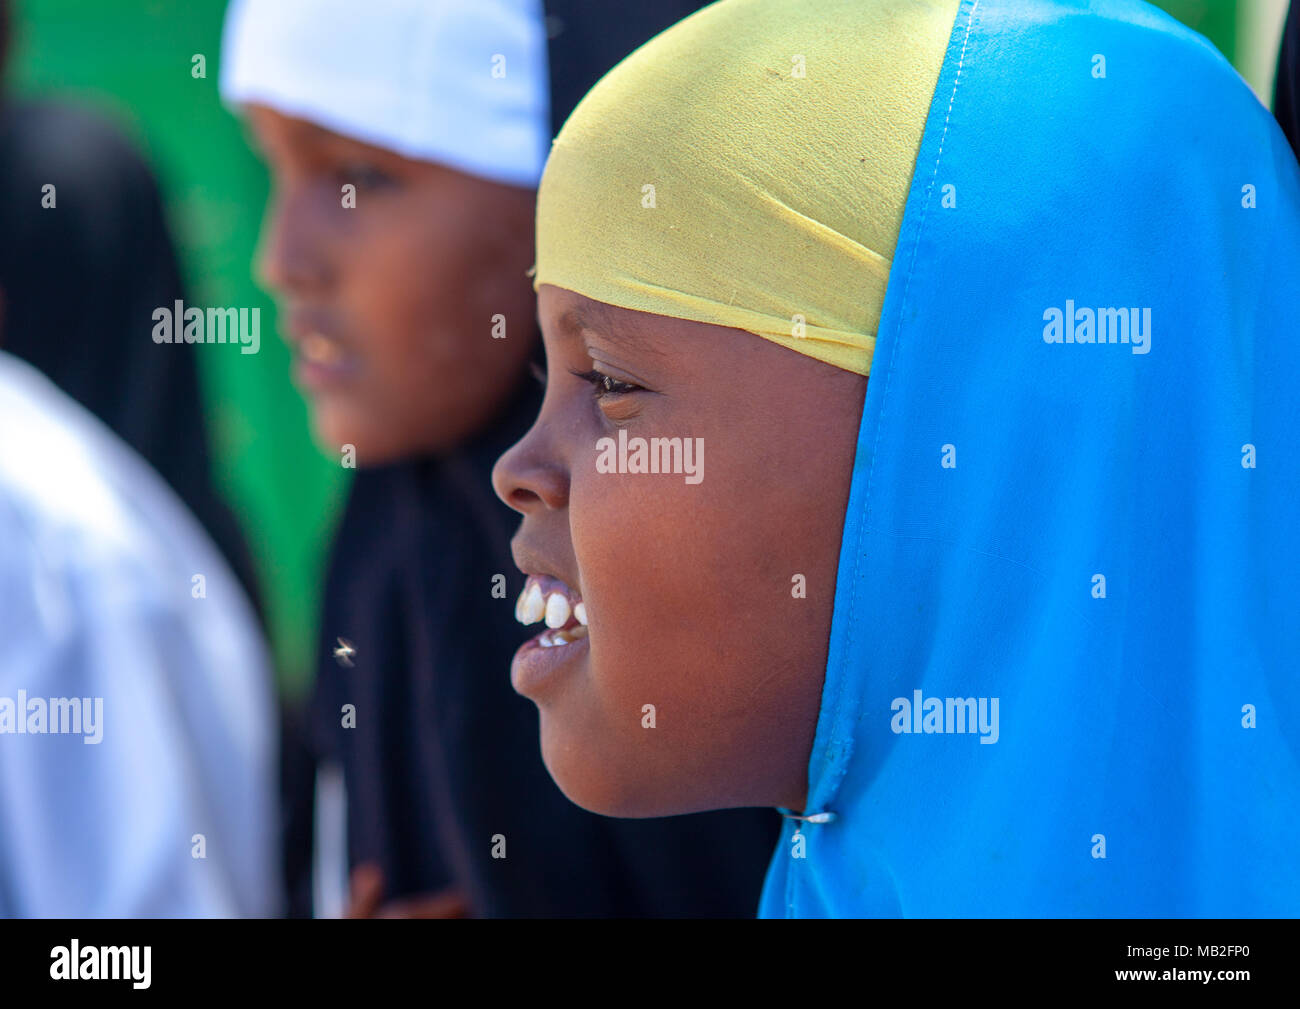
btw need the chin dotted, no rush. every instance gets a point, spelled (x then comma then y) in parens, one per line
(333, 430)
(593, 781)
(378, 445)
(579, 777)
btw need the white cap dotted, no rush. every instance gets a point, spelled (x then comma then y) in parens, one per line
(460, 82)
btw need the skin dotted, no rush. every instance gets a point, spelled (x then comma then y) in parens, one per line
(405, 285)
(688, 587)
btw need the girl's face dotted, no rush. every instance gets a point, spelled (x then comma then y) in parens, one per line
(389, 304)
(707, 591)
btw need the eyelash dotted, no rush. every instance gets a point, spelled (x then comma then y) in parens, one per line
(366, 177)
(604, 385)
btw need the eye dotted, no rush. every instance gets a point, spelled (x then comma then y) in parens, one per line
(365, 176)
(604, 385)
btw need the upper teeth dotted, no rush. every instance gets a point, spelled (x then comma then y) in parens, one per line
(556, 607)
(531, 605)
(320, 349)
(558, 610)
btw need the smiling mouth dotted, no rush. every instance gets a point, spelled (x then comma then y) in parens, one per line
(548, 599)
(320, 350)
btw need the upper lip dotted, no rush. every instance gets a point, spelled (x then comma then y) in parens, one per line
(532, 563)
(301, 323)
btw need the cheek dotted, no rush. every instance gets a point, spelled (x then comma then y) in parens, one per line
(689, 591)
(401, 306)
(431, 300)
(395, 301)
(688, 588)
(635, 557)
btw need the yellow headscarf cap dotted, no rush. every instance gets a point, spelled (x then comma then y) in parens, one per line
(749, 167)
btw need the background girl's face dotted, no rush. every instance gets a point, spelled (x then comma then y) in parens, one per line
(389, 305)
(691, 588)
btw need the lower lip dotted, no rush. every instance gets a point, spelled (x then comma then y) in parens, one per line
(535, 667)
(314, 375)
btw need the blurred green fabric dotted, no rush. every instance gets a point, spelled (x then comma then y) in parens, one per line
(134, 60)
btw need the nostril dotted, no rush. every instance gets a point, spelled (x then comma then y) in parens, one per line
(521, 498)
(526, 484)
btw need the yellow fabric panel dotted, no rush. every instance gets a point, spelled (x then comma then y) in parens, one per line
(779, 137)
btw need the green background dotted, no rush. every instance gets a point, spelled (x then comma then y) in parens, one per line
(133, 60)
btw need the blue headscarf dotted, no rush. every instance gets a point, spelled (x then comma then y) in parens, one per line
(1084, 553)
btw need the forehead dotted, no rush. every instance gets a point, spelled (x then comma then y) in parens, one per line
(636, 330)
(271, 125)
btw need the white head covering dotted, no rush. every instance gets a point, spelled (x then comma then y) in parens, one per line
(460, 82)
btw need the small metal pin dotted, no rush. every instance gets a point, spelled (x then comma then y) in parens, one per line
(344, 652)
(814, 818)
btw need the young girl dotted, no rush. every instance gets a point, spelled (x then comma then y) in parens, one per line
(1008, 630)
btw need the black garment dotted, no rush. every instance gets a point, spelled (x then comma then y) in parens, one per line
(79, 284)
(1286, 97)
(588, 37)
(445, 755)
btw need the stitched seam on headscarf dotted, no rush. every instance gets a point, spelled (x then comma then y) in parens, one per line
(842, 769)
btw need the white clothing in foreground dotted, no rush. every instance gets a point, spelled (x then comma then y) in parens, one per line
(133, 714)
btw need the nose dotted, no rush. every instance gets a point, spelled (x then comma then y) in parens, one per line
(292, 256)
(529, 477)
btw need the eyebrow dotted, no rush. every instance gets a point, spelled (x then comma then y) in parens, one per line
(593, 317)
(578, 318)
